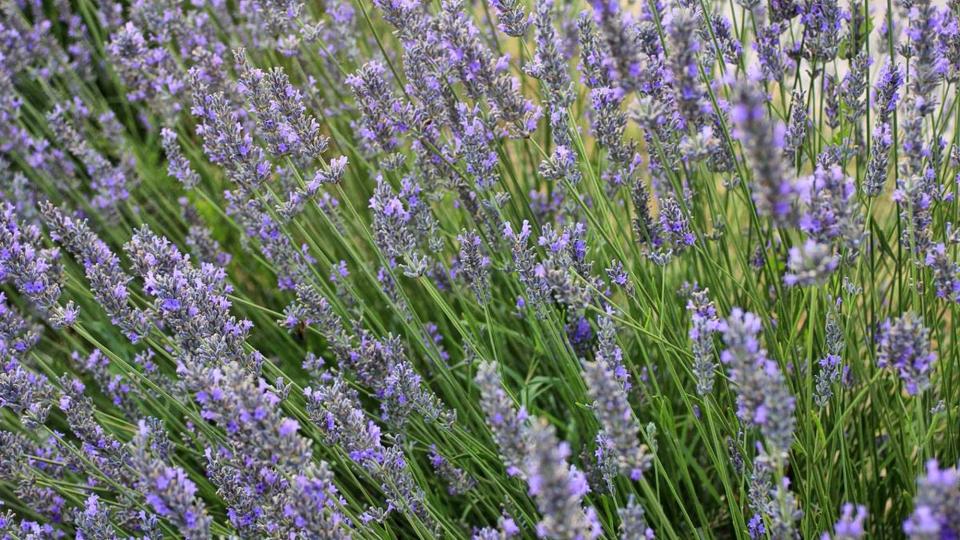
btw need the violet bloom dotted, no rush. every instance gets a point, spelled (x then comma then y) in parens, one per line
(763, 398)
(35, 271)
(904, 346)
(633, 523)
(619, 32)
(850, 524)
(383, 117)
(936, 514)
(946, 273)
(830, 365)
(458, 482)
(108, 281)
(810, 264)
(916, 195)
(550, 67)
(822, 20)
(887, 91)
(513, 20)
(609, 350)
(598, 68)
(797, 127)
(17, 335)
(28, 395)
(529, 269)
(507, 424)
(475, 141)
(506, 529)
(226, 140)
(382, 364)
(298, 198)
(484, 76)
(773, 62)
(618, 444)
(830, 212)
(557, 488)
(334, 408)
(609, 124)
(854, 85)
(688, 91)
(93, 521)
(281, 111)
(474, 265)
(167, 490)
(108, 181)
(676, 234)
(762, 139)
(703, 325)
(885, 99)
(178, 166)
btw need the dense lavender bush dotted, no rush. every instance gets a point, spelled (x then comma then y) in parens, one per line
(479, 269)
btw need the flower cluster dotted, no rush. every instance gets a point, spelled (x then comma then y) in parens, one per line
(763, 398)
(935, 512)
(904, 346)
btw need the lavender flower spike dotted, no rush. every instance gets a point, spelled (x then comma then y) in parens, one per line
(168, 490)
(763, 398)
(557, 488)
(619, 442)
(35, 271)
(773, 189)
(633, 524)
(703, 325)
(904, 346)
(513, 21)
(850, 524)
(810, 264)
(506, 422)
(936, 513)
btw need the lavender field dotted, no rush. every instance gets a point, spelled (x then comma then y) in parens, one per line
(487, 269)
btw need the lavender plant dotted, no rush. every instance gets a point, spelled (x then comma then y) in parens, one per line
(506, 269)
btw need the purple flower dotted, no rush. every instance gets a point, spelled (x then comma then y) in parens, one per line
(618, 443)
(822, 20)
(936, 514)
(507, 424)
(17, 335)
(829, 211)
(609, 125)
(168, 490)
(557, 488)
(773, 189)
(483, 75)
(33, 270)
(688, 92)
(458, 482)
(93, 521)
(550, 67)
(763, 398)
(334, 408)
(946, 273)
(904, 345)
(755, 527)
(513, 20)
(704, 323)
(850, 524)
(810, 264)
(769, 51)
(633, 523)
(178, 166)
(281, 112)
(384, 116)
